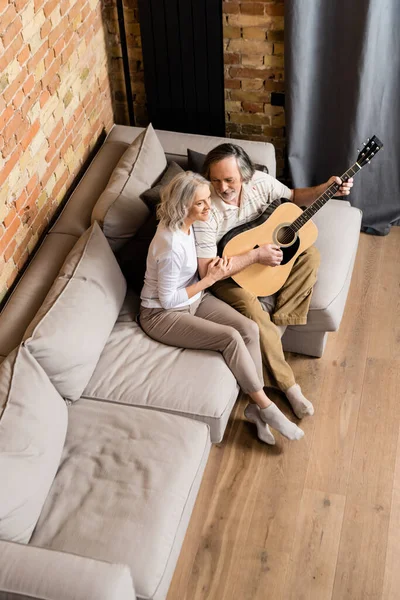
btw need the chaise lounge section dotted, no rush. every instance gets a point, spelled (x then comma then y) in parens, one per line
(105, 433)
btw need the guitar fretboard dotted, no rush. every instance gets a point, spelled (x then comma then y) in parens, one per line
(323, 199)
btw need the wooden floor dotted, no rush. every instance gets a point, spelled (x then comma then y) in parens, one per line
(320, 518)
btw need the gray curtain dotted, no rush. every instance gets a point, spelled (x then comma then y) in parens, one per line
(342, 73)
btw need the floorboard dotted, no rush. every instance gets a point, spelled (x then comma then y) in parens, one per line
(320, 518)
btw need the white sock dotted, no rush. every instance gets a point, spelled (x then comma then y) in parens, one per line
(274, 417)
(252, 414)
(301, 406)
(281, 329)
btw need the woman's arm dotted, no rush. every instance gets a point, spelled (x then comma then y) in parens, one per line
(169, 268)
(217, 268)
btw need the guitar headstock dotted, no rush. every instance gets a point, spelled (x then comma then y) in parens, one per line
(370, 148)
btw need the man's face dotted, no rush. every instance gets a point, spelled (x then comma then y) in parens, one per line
(226, 180)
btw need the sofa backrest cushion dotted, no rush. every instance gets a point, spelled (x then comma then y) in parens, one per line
(196, 162)
(71, 328)
(119, 210)
(33, 425)
(132, 256)
(152, 196)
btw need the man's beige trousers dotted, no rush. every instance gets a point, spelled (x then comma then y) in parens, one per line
(291, 308)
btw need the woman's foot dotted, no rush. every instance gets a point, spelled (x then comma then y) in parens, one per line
(276, 419)
(301, 406)
(252, 414)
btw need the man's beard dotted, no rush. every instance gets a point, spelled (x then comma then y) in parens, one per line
(231, 195)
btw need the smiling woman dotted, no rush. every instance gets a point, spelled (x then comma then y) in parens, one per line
(177, 311)
(185, 200)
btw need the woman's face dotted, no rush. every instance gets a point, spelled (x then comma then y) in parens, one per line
(201, 205)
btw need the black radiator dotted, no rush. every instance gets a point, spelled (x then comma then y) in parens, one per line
(183, 64)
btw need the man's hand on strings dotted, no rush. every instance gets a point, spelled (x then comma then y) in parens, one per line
(270, 255)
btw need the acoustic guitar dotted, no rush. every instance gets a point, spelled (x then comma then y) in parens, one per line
(288, 227)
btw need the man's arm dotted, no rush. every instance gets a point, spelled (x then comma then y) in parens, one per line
(306, 196)
(270, 254)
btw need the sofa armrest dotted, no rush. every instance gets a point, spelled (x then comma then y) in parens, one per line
(31, 573)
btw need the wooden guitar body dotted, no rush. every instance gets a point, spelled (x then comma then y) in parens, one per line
(260, 279)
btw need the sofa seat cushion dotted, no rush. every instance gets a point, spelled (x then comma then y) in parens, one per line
(134, 369)
(125, 490)
(71, 328)
(119, 210)
(33, 424)
(338, 234)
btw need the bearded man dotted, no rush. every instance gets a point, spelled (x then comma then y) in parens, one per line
(239, 195)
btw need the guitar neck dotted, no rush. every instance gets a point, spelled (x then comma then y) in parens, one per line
(323, 199)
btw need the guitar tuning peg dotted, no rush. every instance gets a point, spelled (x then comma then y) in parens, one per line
(358, 150)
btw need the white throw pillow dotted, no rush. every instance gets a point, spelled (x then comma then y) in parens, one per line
(119, 210)
(72, 326)
(33, 425)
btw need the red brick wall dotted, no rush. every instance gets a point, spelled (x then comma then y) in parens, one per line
(253, 50)
(253, 41)
(55, 101)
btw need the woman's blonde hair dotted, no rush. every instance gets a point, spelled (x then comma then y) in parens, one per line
(177, 198)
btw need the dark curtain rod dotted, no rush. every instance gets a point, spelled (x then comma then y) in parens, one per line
(125, 61)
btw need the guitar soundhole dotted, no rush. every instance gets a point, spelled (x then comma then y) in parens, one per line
(285, 236)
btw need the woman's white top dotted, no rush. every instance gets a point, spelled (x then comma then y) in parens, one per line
(171, 267)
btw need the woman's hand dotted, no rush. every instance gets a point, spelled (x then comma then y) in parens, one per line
(218, 268)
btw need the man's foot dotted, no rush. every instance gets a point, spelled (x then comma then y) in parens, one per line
(252, 414)
(276, 419)
(301, 406)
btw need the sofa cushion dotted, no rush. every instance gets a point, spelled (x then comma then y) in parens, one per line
(32, 289)
(33, 424)
(132, 256)
(126, 489)
(119, 210)
(152, 196)
(175, 145)
(71, 328)
(196, 162)
(134, 369)
(25, 569)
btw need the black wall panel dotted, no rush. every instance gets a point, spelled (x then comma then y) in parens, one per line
(183, 64)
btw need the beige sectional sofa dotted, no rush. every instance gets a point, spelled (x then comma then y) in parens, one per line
(105, 433)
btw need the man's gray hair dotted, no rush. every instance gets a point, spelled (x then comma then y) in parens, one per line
(245, 165)
(177, 198)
